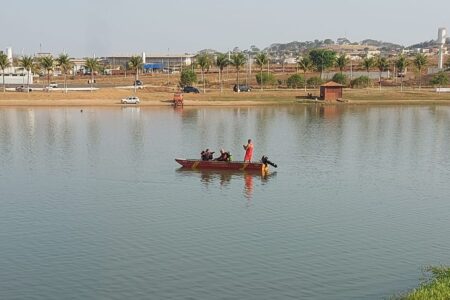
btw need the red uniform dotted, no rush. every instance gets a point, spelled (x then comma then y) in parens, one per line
(248, 152)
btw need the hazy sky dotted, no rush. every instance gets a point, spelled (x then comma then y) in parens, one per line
(107, 27)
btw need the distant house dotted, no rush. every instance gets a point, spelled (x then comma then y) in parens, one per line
(153, 62)
(331, 91)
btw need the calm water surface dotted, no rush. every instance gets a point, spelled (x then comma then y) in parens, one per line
(93, 206)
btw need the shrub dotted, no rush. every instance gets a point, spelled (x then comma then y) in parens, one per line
(340, 78)
(361, 82)
(436, 286)
(439, 79)
(187, 77)
(267, 79)
(314, 81)
(296, 81)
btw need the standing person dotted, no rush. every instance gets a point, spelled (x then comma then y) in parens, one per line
(248, 151)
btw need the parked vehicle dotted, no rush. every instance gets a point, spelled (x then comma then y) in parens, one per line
(23, 89)
(190, 89)
(242, 88)
(130, 100)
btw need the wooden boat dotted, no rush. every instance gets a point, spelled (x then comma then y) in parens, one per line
(197, 164)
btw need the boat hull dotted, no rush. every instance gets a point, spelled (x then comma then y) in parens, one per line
(197, 164)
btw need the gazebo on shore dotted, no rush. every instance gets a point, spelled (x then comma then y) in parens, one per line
(331, 91)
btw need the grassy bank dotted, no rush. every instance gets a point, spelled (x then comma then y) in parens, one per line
(110, 96)
(436, 287)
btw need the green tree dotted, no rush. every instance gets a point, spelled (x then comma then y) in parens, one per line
(340, 78)
(295, 81)
(221, 62)
(261, 60)
(47, 63)
(342, 62)
(93, 65)
(27, 62)
(314, 81)
(237, 61)
(4, 63)
(439, 79)
(204, 62)
(420, 61)
(63, 61)
(401, 63)
(382, 64)
(187, 77)
(305, 64)
(266, 79)
(368, 63)
(322, 59)
(361, 82)
(135, 64)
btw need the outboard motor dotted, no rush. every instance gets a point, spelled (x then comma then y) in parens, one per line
(265, 160)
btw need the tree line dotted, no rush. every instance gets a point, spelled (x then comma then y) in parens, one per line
(318, 60)
(48, 63)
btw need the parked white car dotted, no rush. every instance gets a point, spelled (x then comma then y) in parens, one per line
(130, 100)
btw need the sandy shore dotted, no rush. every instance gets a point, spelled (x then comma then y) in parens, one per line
(152, 97)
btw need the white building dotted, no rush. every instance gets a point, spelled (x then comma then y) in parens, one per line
(15, 75)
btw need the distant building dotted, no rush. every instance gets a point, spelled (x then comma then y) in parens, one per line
(153, 62)
(372, 53)
(15, 75)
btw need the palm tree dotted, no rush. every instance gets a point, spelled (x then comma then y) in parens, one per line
(36, 66)
(368, 63)
(47, 63)
(93, 65)
(63, 61)
(221, 62)
(204, 62)
(237, 61)
(420, 61)
(135, 64)
(401, 63)
(261, 59)
(341, 62)
(305, 64)
(27, 62)
(382, 64)
(4, 63)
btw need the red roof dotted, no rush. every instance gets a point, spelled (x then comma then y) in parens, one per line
(332, 84)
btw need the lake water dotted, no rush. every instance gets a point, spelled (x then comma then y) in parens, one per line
(93, 205)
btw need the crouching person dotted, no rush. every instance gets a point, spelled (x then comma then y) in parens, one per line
(207, 155)
(224, 156)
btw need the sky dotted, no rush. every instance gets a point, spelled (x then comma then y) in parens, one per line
(84, 28)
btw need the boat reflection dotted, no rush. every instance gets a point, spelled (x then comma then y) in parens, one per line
(225, 178)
